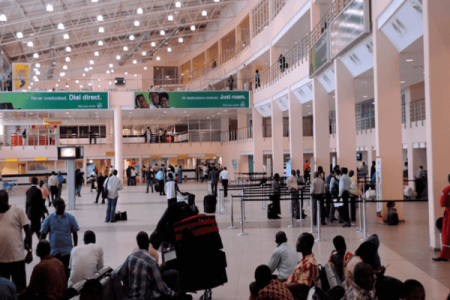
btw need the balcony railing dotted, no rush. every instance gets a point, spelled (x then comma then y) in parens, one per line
(236, 135)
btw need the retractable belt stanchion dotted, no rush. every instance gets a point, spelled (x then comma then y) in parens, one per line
(311, 211)
(292, 215)
(223, 200)
(219, 206)
(243, 206)
(242, 218)
(364, 221)
(359, 215)
(300, 194)
(262, 193)
(231, 207)
(319, 237)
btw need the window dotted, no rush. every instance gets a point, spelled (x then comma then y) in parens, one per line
(41, 166)
(165, 75)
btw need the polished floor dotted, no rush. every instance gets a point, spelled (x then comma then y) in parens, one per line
(404, 248)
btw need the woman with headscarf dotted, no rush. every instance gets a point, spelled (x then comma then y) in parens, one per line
(267, 286)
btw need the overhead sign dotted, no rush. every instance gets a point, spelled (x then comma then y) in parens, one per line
(44, 126)
(54, 100)
(219, 99)
(21, 76)
(319, 57)
(350, 26)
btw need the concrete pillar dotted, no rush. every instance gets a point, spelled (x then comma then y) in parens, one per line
(315, 13)
(388, 132)
(345, 117)
(239, 81)
(277, 139)
(295, 131)
(241, 125)
(118, 137)
(321, 127)
(257, 141)
(436, 30)
(85, 168)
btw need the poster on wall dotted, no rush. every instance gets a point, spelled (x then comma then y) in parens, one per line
(21, 76)
(54, 100)
(235, 164)
(379, 189)
(216, 99)
(319, 57)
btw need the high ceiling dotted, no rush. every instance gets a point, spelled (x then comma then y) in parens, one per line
(92, 33)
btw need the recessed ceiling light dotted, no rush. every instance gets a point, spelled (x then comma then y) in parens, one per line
(65, 67)
(66, 36)
(131, 37)
(90, 68)
(153, 44)
(410, 59)
(193, 27)
(91, 62)
(126, 73)
(61, 26)
(216, 1)
(134, 61)
(145, 68)
(136, 23)
(94, 1)
(158, 58)
(111, 65)
(3, 18)
(49, 7)
(100, 18)
(19, 35)
(139, 11)
(84, 75)
(101, 29)
(107, 72)
(36, 55)
(204, 13)
(169, 49)
(178, 4)
(162, 32)
(365, 96)
(62, 74)
(180, 40)
(402, 82)
(125, 48)
(170, 17)
(76, 81)
(100, 43)
(144, 53)
(30, 44)
(38, 65)
(118, 57)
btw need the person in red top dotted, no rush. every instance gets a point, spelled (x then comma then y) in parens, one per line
(445, 202)
(306, 170)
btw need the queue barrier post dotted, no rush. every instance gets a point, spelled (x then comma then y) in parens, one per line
(300, 206)
(364, 221)
(242, 217)
(319, 237)
(311, 211)
(292, 215)
(232, 216)
(359, 215)
(262, 201)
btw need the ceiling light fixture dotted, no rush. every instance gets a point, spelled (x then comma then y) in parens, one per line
(61, 26)
(30, 44)
(118, 57)
(100, 18)
(100, 43)
(178, 4)
(125, 48)
(158, 58)
(91, 62)
(62, 74)
(38, 65)
(37, 72)
(402, 81)
(145, 68)
(68, 49)
(410, 59)
(101, 29)
(95, 1)
(139, 11)
(66, 36)
(131, 37)
(86, 69)
(111, 65)
(134, 61)
(217, 1)
(3, 18)
(90, 68)
(180, 40)
(204, 13)
(19, 35)
(65, 67)
(144, 53)
(169, 49)
(136, 23)
(49, 7)
(107, 72)
(36, 55)
(162, 32)
(193, 27)
(153, 44)
(96, 53)
(170, 17)
(67, 59)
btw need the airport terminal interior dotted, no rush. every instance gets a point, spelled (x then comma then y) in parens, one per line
(225, 141)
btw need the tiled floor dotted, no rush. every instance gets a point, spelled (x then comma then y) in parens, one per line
(404, 248)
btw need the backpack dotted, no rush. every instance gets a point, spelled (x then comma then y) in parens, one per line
(324, 285)
(335, 189)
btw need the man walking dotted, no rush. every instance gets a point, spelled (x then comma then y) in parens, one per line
(344, 188)
(53, 184)
(133, 176)
(149, 178)
(128, 172)
(224, 176)
(160, 177)
(60, 183)
(61, 227)
(35, 206)
(12, 248)
(100, 181)
(214, 178)
(113, 185)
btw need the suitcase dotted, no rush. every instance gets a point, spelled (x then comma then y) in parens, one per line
(191, 199)
(117, 216)
(392, 217)
(123, 216)
(209, 204)
(156, 187)
(270, 212)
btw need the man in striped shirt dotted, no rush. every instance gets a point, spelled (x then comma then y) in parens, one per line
(143, 275)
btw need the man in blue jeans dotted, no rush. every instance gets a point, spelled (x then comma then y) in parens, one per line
(113, 185)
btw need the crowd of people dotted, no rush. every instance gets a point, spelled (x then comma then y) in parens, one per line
(361, 274)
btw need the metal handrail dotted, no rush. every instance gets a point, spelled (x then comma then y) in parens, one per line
(236, 135)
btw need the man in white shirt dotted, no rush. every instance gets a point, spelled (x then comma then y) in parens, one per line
(113, 184)
(224, 176)
(344, 188)
(12, 247)
(318, 195)
(85, 260)
(171, 189)
(53, 184)
(133, 176)
(284, 257)
(293, 188)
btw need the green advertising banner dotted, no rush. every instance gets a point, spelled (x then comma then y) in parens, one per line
(54, 100)
(318, 55)
(219, 99)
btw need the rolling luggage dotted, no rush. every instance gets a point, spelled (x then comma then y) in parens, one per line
(271, 212)
(198, 231)
(392, 217)
(156, 187)
(209, 204)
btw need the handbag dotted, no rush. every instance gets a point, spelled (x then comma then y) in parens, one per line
(105, 190)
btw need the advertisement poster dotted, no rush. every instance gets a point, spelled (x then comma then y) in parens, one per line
(318, 55)
(378, 191)
(54, 100)
(235, 164)
(219, 99)
(21, 76)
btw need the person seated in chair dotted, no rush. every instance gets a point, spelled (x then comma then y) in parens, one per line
(284, 257)
(362, 287)
(340, 257)
(306, 273)
(414, 290)
(267, 287)
(141, 272)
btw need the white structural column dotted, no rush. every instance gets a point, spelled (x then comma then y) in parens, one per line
(436, 33)
(345, 116)
(277, 139)
(225, 128)
(118, 143)
(295, 131)
(388, 120)
(241, 124)
(321, 127)
(258, 164)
